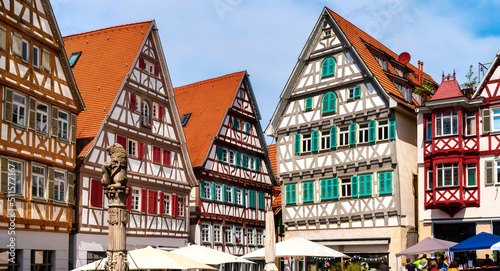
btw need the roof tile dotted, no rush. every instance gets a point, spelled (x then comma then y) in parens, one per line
(276, 189)
(447, 89)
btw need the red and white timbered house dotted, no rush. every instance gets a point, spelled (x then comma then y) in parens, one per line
(230, 159)
(122, 74)
(39, 105)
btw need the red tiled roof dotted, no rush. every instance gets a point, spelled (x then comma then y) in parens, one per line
(357, 37)
(207, 101)
(276, 189)
(107, 56)
(448, 89)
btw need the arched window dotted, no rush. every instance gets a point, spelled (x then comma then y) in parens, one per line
(145, 112)
(329, 102)
(328, 67)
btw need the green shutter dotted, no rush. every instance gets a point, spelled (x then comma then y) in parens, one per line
(368, 185)
(388, 182)
(392, 128)
(324, 189)
(329, 102)
(257, 164)
(324, 68)
(381, 183)
(244, 160)
(220, 150)
(333, 137)
(297, 143)
(361, 185)
(224, 193)
(251, 198)
(354, 186)
(352, 134)
(236, 123)
(372, 131)
(235, 196)
(244, 197)
(238, 159)
(314, 139)
(202, 189)
(326, 103)
(213, 192)
(357, 91)
(307, 191)
(335, 188)
(309, 103)
(247, 127)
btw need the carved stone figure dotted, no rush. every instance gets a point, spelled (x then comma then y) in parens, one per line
(114, 174)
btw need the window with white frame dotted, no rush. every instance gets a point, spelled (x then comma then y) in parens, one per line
(447, 175)
(132, 147)
(239, 196)
(344, 136)
(350, 93)
(145, 112)
(238, 235)
(205, 233)
(42, 118)
(25, 51)
(327, 33)
(498, 171)
(325, 140)
(250, 237)
(19, 109)
(251, 163)
(229, 194)
(218, 192)
(470, 124)
(363, 133)
(36, 56)
(496, 119)
(38, 180)
(446, 123)
(62, 125)
(136, 199)
(345, 187)
(430, 177)
(408, 94)
(16, 173)
(471, 178)
(3, 38)
(383, 129)
(217, 233)
(59, 185)
(259, 237)
(306, 143)
(208, 194)
(231, 158)
(225, 156)
(228, 234)
(180, 206)
(428, 129)
(166, 204)
(155, 111)
(137, 103)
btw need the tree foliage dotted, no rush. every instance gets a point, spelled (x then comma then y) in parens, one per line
(469, 86)
(426, 90)
(357, 266)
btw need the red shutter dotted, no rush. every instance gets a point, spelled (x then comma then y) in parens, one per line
(144, 200)
(96, 193)
(122, 141)
(166, 157)
(175, 206)
(160, 112)
(142, 65)
(156, 154)
(132, 101)
(129, 198)
(151, 201)
(162, 207)
(140, 150)
(155, 202)
(157, 70)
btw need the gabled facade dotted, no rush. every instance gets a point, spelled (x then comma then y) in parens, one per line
(458, 159)
(345, 143)
(39, 106)
(230, 160)
(123, 76)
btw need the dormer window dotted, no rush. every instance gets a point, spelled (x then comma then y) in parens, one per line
(385, 65)
(408, 94)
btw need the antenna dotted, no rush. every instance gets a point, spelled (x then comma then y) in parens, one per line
(404, 58)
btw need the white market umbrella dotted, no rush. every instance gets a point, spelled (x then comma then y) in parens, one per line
(270, 245)
(298, 247)
(495, 246)
(151, 258)
(209, 256)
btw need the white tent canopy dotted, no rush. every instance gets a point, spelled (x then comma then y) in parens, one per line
(209, 256)
(151, 258)
(495, 246)
(298, 247)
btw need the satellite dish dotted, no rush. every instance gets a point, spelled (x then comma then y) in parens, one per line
(404, 58)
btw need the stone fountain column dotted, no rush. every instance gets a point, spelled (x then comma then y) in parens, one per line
(114, 181)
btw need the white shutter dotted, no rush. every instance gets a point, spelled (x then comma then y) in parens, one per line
(17, 44)
(3, 38)
(46, 60)
(486, 121)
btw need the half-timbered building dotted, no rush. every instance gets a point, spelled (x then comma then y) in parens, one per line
(39, 105)
(345, 143)
(458, 162)
(123, 76)
(230, 159)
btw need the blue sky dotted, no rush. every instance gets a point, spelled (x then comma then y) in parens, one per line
(208, 38)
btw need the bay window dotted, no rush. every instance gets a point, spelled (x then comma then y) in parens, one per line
(447, 175)
(446, 123)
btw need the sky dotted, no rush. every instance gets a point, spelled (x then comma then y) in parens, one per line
(204, 39)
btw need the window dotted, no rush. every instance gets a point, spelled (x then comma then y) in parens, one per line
(385, 183)
(238, 235)
(205, 233)
(231, 158)
(19, 109)
(167, 157)
(262, 200)
(344, 136)
(329, 189)
(156, 154)
(428, 129)
(166, 204)
(471, 175)
(345, 187)
(239, 197)
(354, 92)
(46, 60)
(59, 185)
(36, 56)
(327, 33)
(251, 199)
(225, 156)
(9, 259)
(145, 112)
(62, 125)
(291, 193)
(308, 192)
(93, 256)
(41, 260)
(251, 164)
(38, 179)
(74, 58)
(247, 127)
(250, 237)
(25, 51)
(365, 185)
(325, 140)
(363, 133)
(218, 192)
(228, 234)
(306, 143)
(385, 65)
(229, 193)
(96, 195)
(242, 94)
(17, 47)
(447, 175)
(206, 191)
(185, 119)
(328, 67)
(470, 124)
(217, 233)
(135, 102)
(446, 123)
(136, 199)
(383, 130)
(236, 123)
(496, 119)
(180, 206)
(132, 147)
(3, 38)
(408, 94)
(329, 103)
(430, 178)
(260, 237)
(42, 118)
(16, 171)
(308, 103)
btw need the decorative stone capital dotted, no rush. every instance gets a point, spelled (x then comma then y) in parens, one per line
(117, 196)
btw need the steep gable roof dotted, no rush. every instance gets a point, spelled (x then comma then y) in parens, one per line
(491, 69)
(207, 101)
(107, 56)
(276, 189)
(447, 89)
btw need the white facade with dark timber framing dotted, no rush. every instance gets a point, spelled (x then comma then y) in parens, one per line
(346, 145)
(133, 105)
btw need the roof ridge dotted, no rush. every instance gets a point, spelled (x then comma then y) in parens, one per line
(206, 81)
(107, 28)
